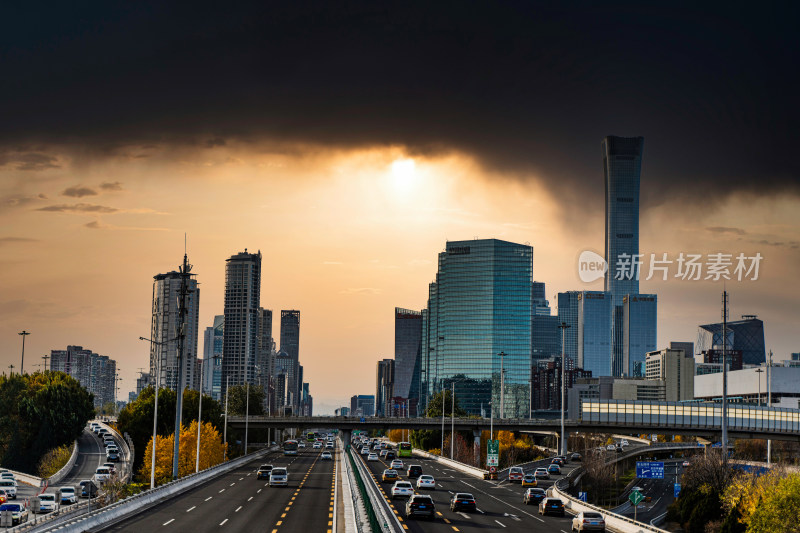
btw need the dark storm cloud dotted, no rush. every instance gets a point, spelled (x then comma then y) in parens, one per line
(78, 191)
(528, 88)
(28, 160)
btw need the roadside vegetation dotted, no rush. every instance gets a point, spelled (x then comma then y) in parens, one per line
(212, 452)
(42, 412)
(53, 461)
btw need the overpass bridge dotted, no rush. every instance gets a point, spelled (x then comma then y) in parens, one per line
(597, 416)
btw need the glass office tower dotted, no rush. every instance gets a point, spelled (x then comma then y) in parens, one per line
(594, 332)
(407, 348)
(639, 328)
(568, 313)
(622, 167)
(479, 307)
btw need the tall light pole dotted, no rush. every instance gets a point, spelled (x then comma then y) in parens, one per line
(724, 378)
(22, 363)
(759, 371)
(563, 444)
(45, 357)
(502, 386)
(246, 414)
(155, 409)
(441, 450)
(199, 417)
(225, 430)
(769, 403)
(452, 418)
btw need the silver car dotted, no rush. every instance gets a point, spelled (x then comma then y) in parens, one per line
(10, 486)
(279, 477)
(588, 521)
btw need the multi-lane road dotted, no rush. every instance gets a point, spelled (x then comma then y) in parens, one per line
(91, 454)
(237, 501)
(499, 502)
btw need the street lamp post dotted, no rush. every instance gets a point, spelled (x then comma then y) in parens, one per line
(199, 417)
(769, 403)
(452, 418)
(155, 408)
(563, 444)
(759, 371)
(246, 414)
(725, 379)
(45, 357)
(22, 363)
(441, 450)
(502, 386)
(225, 430)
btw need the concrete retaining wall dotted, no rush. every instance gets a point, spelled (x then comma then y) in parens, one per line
(61, 474)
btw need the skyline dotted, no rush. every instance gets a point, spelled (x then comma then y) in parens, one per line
(349, 143)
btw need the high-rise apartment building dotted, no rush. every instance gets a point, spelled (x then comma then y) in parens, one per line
(164, 330)
(568, 314)
(407, 354)
(639, 328)
(479, 314)
(541, 305)
(213, 339)
(285, 366)
(96, 373)
(622, 167)
(384, 387)
(290, 344)
(675, 369)
(240, 335)
(594, 332)
(266, 347)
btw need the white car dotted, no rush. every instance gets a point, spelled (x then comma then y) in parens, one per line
(426, 481)
(47, 503)
(401, 489)
(326, 455)
(372, 457)
(611, 448)
(68, 495)
(329, 444)
(624, 442)
(102, 474)
(397, 464)
(279, 477)
(10, 486)
(365, 450)
(301, 444)
(7, 475)
(317, 445)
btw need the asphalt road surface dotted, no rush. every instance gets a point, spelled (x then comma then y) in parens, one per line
(237, 501)
(499, 502)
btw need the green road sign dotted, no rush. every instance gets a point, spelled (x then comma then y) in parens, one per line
(636, 497)
(493, 453)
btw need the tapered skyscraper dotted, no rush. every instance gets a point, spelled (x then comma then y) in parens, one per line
(622, 167)
(242, 302)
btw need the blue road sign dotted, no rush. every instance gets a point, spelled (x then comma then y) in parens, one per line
(582, 496)
(650, 469)
(677, 489)
(363, 419)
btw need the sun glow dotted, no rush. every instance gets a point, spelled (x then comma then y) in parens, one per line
(404, 172)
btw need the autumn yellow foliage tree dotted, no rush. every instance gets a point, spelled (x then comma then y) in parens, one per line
(212, 452)
(398, 435)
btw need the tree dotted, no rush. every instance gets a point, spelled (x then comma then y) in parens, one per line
(41, 411)
(136, 418)
(429, 439)
(778, 510)
(212, 452)
(237, 400)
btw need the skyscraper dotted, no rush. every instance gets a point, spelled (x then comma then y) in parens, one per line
(639, 332)
(242, 301)
(594, 332)
(622, 167)
(541, 306)
(568, 313)
(164, 330)
(407, 349)
(746, 335)
(266, 347)
(384, 387)
(290, 344)
(97, 373)
(479, 312)
(212, 357)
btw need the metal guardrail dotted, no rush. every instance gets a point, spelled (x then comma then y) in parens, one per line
(77, 520)
(382, 519)
(352, 494)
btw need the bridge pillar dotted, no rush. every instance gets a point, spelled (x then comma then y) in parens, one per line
(344, 434)
(476, 433)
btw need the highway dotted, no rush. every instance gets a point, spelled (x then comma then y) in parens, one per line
(499, 502)
(661, 492)
(91, 454)
(237, 501)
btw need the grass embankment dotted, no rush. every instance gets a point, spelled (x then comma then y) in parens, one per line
(53, 461)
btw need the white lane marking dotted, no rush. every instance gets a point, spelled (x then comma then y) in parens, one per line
(562, 531)
(250, 498)
(168, 522)
(259, 490)
(480, 511)
(465, 515)
(221, 491)
(499, 522)
(209, 498)
(232, 484)
(238, 509)
(223, 522)
(192, 508)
